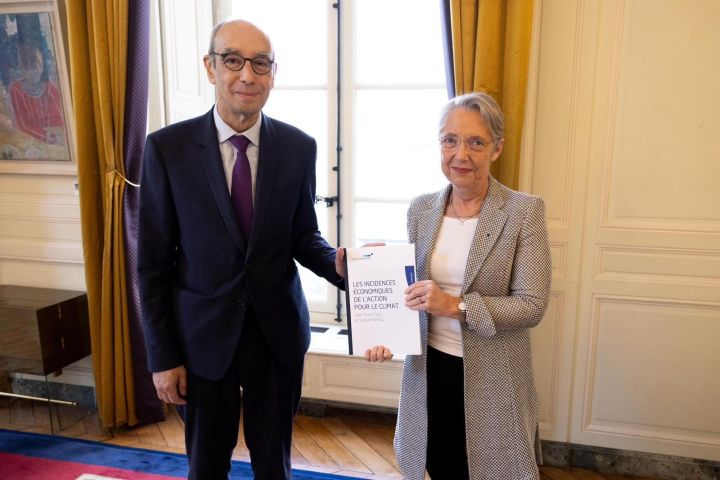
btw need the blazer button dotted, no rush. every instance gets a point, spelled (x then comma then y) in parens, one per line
(248, 267)
(241, 303)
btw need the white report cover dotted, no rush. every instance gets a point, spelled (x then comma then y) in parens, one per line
(375, 282)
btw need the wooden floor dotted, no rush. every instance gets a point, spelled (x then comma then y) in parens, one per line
(351, 448)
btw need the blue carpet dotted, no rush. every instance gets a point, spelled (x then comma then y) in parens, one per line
(133, 459)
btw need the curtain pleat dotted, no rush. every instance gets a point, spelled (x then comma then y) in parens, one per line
(446, 29)
(97, 33)
(149, 407)
(491, 50)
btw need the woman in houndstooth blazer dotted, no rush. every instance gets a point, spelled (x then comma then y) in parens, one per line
(468, 406)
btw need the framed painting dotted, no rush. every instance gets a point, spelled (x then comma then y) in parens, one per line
(37, 133)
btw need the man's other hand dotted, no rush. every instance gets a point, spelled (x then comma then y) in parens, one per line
(378, 354)
(170, 384)
(340, 257)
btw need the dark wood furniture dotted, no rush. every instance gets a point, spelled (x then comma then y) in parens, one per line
(42, 330)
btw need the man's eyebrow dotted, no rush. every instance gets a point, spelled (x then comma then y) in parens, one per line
(237, 52)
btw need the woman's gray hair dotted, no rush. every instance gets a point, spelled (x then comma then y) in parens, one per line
(482, 103)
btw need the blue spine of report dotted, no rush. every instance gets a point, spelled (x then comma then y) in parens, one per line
(347, 302)
(410, 274)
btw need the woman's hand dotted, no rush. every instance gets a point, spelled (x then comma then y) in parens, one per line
(340, 257)
(378, 354)
(426, 295)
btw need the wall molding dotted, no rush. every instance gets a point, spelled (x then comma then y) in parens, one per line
(560, 270)
(549, 423)
(564, 221)
(625, 428)
(607, 218)
(604, 250)
(43, 251)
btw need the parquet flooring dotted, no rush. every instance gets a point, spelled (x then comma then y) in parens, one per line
(328, 445)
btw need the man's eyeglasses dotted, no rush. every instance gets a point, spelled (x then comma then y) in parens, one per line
(236, 62)
(451, 143)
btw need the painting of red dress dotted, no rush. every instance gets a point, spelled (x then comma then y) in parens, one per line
(32, 121)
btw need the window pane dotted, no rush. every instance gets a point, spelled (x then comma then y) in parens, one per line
(380, 222)
(298, 31)
(399, 42)
(397, 151)
(306, 110)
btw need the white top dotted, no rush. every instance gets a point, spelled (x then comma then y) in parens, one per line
(228, 152)
(447, 270)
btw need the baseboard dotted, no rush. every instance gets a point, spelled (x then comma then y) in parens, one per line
(313, 407)
(84, 396)
(626, 462)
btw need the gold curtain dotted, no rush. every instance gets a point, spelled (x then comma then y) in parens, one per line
(97, 32)
(491, 52)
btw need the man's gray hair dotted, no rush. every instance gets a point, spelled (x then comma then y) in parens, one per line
(213, 34)
(482, 103)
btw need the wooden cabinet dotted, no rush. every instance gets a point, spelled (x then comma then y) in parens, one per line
(42, 330)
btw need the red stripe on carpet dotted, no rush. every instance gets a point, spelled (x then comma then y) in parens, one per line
(20, 467)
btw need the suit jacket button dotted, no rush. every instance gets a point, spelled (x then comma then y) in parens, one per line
(248, 267)
(241, 303)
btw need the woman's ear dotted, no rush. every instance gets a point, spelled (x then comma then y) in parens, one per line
(498, 149)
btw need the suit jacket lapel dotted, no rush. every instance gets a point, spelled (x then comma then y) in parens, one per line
(489, 226)
(267, 162)
(428, 228)
(212, 162)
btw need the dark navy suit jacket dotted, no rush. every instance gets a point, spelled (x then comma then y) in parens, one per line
(196, 274)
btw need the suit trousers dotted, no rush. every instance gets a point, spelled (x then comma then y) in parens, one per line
(447, 451)
(270, 397)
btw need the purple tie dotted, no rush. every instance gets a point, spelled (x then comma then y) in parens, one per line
(241, 190)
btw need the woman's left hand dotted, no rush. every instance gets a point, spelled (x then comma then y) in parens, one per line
(426, 295)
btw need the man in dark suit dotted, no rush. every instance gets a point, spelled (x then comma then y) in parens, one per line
(226, 207)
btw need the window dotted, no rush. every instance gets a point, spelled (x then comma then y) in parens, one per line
(392, 84)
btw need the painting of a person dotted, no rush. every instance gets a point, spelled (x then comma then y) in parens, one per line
(37, 104)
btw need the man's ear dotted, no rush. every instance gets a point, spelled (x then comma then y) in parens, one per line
(274, 72)
(209, 68)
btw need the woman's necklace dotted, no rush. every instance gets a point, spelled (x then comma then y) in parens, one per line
(463, 220)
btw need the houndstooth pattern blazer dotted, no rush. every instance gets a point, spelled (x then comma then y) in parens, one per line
(506, 289)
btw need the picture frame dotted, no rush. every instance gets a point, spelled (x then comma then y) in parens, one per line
(37, 128)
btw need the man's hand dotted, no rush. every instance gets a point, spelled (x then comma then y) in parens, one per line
(378, 354)
(340, 262)
(168, 383)
(340, 257)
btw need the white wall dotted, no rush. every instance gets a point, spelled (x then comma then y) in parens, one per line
(626, 153)
(41, 244)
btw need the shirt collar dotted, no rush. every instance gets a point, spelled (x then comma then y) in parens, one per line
(224, 130)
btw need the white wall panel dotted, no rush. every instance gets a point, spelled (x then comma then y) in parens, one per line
(643, 250)
(652, 369)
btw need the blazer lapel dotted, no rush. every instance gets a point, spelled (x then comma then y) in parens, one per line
(490, 225)
(428, 228)
(212, 162)
(267, 162)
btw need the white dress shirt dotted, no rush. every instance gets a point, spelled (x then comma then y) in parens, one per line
(228, 152)
(447, 270)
